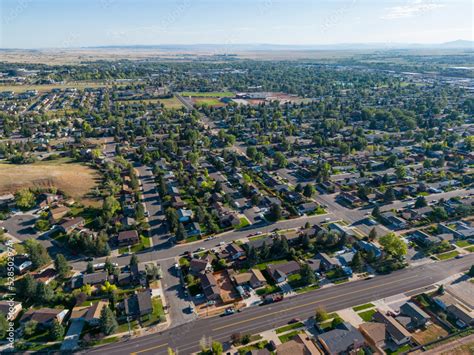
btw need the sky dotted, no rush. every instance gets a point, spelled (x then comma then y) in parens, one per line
(88, 23)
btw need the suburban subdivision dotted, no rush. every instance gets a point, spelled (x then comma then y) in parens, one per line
(200, 200)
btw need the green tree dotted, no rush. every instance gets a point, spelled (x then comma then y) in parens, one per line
(133, 260)
(471, 271)
(376, 212)
(57, 331)
(24, 199)
(280, 160)
(307, 275)
(275, 212)
(321, 315)
(37, 253)
(110, 206)
(61, 265)
(26, 287)
(180, 232)
(373, 234)
(44, 293)
(90, 267)
(216, 348)
(42, 225)
(401, 172)
(4, 325)
(108, 322)
(420, 202)
(30, 328)
(308, 190)
(393, 245)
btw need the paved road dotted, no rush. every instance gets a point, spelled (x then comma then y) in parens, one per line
(253, 320)
(153, 205)
(165, 250)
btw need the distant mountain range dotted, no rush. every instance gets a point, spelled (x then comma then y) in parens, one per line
(458, 44)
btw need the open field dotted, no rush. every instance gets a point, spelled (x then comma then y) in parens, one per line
(76, 180)
(207, 94)
(431, 333)
(80, 85)
(208, 101)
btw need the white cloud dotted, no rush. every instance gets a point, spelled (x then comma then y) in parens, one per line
(412, 9)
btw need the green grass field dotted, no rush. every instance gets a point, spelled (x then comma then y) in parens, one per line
(367, 315)
(289, 327)
(363, 306)
(448, 255)
(207, 94)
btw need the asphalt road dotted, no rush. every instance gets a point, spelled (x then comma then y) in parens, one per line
(185, 338)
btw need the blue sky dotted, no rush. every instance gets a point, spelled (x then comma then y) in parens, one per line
(77, 23)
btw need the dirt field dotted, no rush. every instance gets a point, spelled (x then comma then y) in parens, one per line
(74, 179)
(432, 332)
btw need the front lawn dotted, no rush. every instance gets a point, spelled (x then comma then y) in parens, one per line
(145, 243)
(263, 266)
(158, 314)
(449, 255)
(307, 289)
(289, 327)
(367, 315)
(463, 243)
(287, 337)
(363, 306)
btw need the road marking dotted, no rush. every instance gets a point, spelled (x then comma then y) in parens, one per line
(310, 303)
(145, 350)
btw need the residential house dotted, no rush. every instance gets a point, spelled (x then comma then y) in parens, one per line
(280, 272)
(139, 304)
(10, 309)
(412, 317)
(184, 215)
(198, 266)
(327, 262)
(301, 344)
(210, 287)
(375, 334)
(193, 229)
(44, 316)
(396, 332)
(308, 207)
(254, 278)
(128, 238)
(463, 315)
(90, 314)
(21, 264)
(57, 213)
(235, 251)
(392, 220)
(71, 224)
(344, 339)
(370, 248)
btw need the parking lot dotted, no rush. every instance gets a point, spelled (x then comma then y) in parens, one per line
(21, 226)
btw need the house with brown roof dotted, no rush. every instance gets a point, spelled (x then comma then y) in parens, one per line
(56, 213)
(71, 224)
(395, 331)
(375, 334)
(44, 316)
(254, 278)
(90, 314)
(210, 287)
(197, 266)
(11, 310)
(128, 238)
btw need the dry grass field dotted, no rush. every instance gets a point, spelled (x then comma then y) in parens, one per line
(76, 180)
